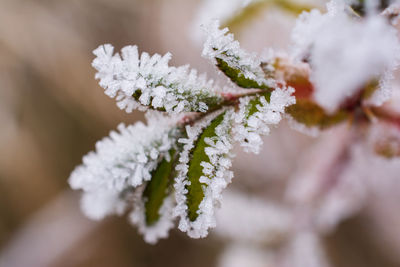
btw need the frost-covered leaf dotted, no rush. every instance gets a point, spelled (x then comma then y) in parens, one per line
(203, 173)
(148, 82)
(252, 106)
(122, 162)
(199, 158)
(311, 114)
(157, 188)
(241, 67)
(256, 114)
(236, 76)
(125, 158)
(159, 228)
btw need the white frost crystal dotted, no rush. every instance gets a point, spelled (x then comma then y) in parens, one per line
(160, 229)
(123, 160)
(345, 53)
(99, 204)
(156, 84)
(221, 44)
(249, 129)
(216, 176)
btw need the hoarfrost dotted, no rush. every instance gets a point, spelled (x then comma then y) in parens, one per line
(160, 229)
(248, 129)
(221, 44)
(121, 161)
(99, 204)
(216, 176)
(137, 83)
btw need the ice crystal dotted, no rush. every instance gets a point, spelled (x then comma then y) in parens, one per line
(250, 127)
(148, 81)
(216, 176)
(152, 233)
(101, 203)
(221, 45)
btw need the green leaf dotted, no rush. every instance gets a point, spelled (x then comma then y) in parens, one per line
(157, 188)
(312, 115)
(195, 190)
(236, 76)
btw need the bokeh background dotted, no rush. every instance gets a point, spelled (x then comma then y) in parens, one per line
(52, 112)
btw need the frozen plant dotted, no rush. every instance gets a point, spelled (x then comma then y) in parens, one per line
(175, 167)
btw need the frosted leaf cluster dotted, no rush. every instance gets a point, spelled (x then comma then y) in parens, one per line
(346, 53)
(221, 44)
(250, 127)
(116, 176)
(147, 81)
(216, 176)
(335, 56)
(121, 161)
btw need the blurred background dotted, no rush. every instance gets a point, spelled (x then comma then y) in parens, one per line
(52, 112)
